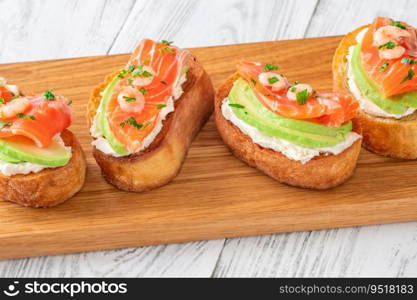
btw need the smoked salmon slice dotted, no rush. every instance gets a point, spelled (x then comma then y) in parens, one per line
(148, 82)
(330, 109)
(393, 76)
(39, 120)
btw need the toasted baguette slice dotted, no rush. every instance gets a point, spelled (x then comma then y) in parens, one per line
(322, 172)
(161, 161)
(48, 187)
(384, 136)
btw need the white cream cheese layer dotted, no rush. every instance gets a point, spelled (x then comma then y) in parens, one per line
(290, 150)
(365, 104)
(10, 169)
(104, 146)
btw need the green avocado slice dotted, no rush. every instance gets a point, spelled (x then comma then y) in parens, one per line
(396, 105)
(249, 109)
(19, 149)
(6, 158)
(103, 124)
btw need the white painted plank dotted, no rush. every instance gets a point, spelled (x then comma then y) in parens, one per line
(35, 30)
(342, 16)
(375, 251)
(215, 22)
(57, 29)
(196, 259)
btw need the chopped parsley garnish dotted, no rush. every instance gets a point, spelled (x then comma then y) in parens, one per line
(146, 74)
(2, 101)
(49, 95)
(166, 42)
(236, 105)
(129, 99)
(131, 121)
(388, 45)
(398, 24)
(272, 80)
(408, 61)
(170, 50)
(293, 89)
(410, 75)
(3, 124)
(23, 116)
(160, 106)
(270, 67)
(69, 102)
(302, 97)
(131, 69)
(145, 60)
(143, 91)
(383, 67)
(253, 81)
(130, 80)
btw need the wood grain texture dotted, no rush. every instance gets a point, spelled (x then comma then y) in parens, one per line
(188, 209)
(393, 246)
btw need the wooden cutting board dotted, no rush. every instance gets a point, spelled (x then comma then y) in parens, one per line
(215, 195)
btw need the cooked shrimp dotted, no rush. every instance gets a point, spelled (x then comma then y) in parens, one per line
(292, 91)
(393, 53)
(389, 33)
(273, 80)
(145, 78)
(13, 108)
(131, 100)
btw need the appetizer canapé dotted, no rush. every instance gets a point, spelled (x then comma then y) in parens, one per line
(144, 117)
(289, 131)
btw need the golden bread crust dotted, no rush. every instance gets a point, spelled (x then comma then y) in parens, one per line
(384, 136)
(161, 161)
(322, 172)
(48, 187)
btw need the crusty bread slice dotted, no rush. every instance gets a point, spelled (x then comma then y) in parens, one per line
(385, 136)
(322, 172)
(161, 161)
(48, 187)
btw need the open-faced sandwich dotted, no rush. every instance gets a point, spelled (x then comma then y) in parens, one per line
(41, 162)
(377, 65)
(144, 117)
(289, 131)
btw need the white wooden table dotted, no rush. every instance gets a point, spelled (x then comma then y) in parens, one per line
(47, 29)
